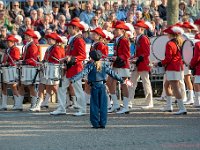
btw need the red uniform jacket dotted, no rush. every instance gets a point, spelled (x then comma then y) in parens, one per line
(143, 49)
(173, 59)
(102, 47)
(76, 49)
(31, 54)
(14, 53)
(122, 50)
(54, 51)
(195, 62)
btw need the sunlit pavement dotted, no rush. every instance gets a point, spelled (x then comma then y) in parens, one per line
(141, 129)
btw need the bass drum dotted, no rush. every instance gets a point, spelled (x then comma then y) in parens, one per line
(152, 57)
(159, 46)
(188, 50)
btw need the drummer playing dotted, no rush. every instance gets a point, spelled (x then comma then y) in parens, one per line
(30, 56)
(53, 54)
(12, 55)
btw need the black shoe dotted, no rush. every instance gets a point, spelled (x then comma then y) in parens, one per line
(95, 127)
(102, 127)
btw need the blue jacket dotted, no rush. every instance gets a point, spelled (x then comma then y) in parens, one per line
(95, 76)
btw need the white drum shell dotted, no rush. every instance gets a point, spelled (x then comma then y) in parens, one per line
(28, 73)
(10, 74)
(52, 72)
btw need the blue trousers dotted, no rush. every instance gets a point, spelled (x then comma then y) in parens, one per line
(98, 105)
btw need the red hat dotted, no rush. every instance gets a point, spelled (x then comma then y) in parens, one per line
(30, 33)
(120, 25)
(54, 36)
(141, 24)
(99, 31)
(174, 30)
(187, 25)
(76, 22)
(11, 38)
(197, 36)
(197, 22)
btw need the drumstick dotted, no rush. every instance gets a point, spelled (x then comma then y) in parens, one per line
(55, 58)
(36, 61)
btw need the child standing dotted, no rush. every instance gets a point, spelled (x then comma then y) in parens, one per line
(97, 71)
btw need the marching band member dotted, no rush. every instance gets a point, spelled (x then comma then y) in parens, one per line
(12, 55)
(30, 56)
(97, 71)
(121, 65)
(174, 69)
(52, 55)
(187, 27)
(142, 63)
(195, 65)
(97, 35)
(76, 54)
(109, 37)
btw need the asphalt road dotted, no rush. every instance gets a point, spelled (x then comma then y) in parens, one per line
(139, 130)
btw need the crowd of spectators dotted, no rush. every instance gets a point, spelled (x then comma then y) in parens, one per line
(52, 17)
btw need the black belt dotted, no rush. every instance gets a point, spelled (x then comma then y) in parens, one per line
(98, 82)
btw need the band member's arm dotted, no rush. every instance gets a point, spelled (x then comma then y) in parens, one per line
(114, 75)
(124, 49)
(15, 55)
(80, 46)
(32, 55)
(83, 73)
(168, 54)
(58, 53)
(196, 59)
(145, 45)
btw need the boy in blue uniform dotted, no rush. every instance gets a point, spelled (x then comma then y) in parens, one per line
(97, 71)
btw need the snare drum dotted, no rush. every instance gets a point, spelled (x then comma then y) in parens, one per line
(10, 74)
(52, 71)
(28, 74)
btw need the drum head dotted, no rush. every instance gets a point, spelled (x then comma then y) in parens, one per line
(159, 46)
(187, 51)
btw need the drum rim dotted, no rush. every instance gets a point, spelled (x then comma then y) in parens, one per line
(183, 58)
(153, 48)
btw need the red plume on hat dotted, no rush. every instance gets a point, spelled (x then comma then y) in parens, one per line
(99, 31)
(76, 22)
(30, 33)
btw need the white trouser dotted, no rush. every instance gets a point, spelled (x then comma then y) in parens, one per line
(135, 76)
(80, 95)
(77, 86)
